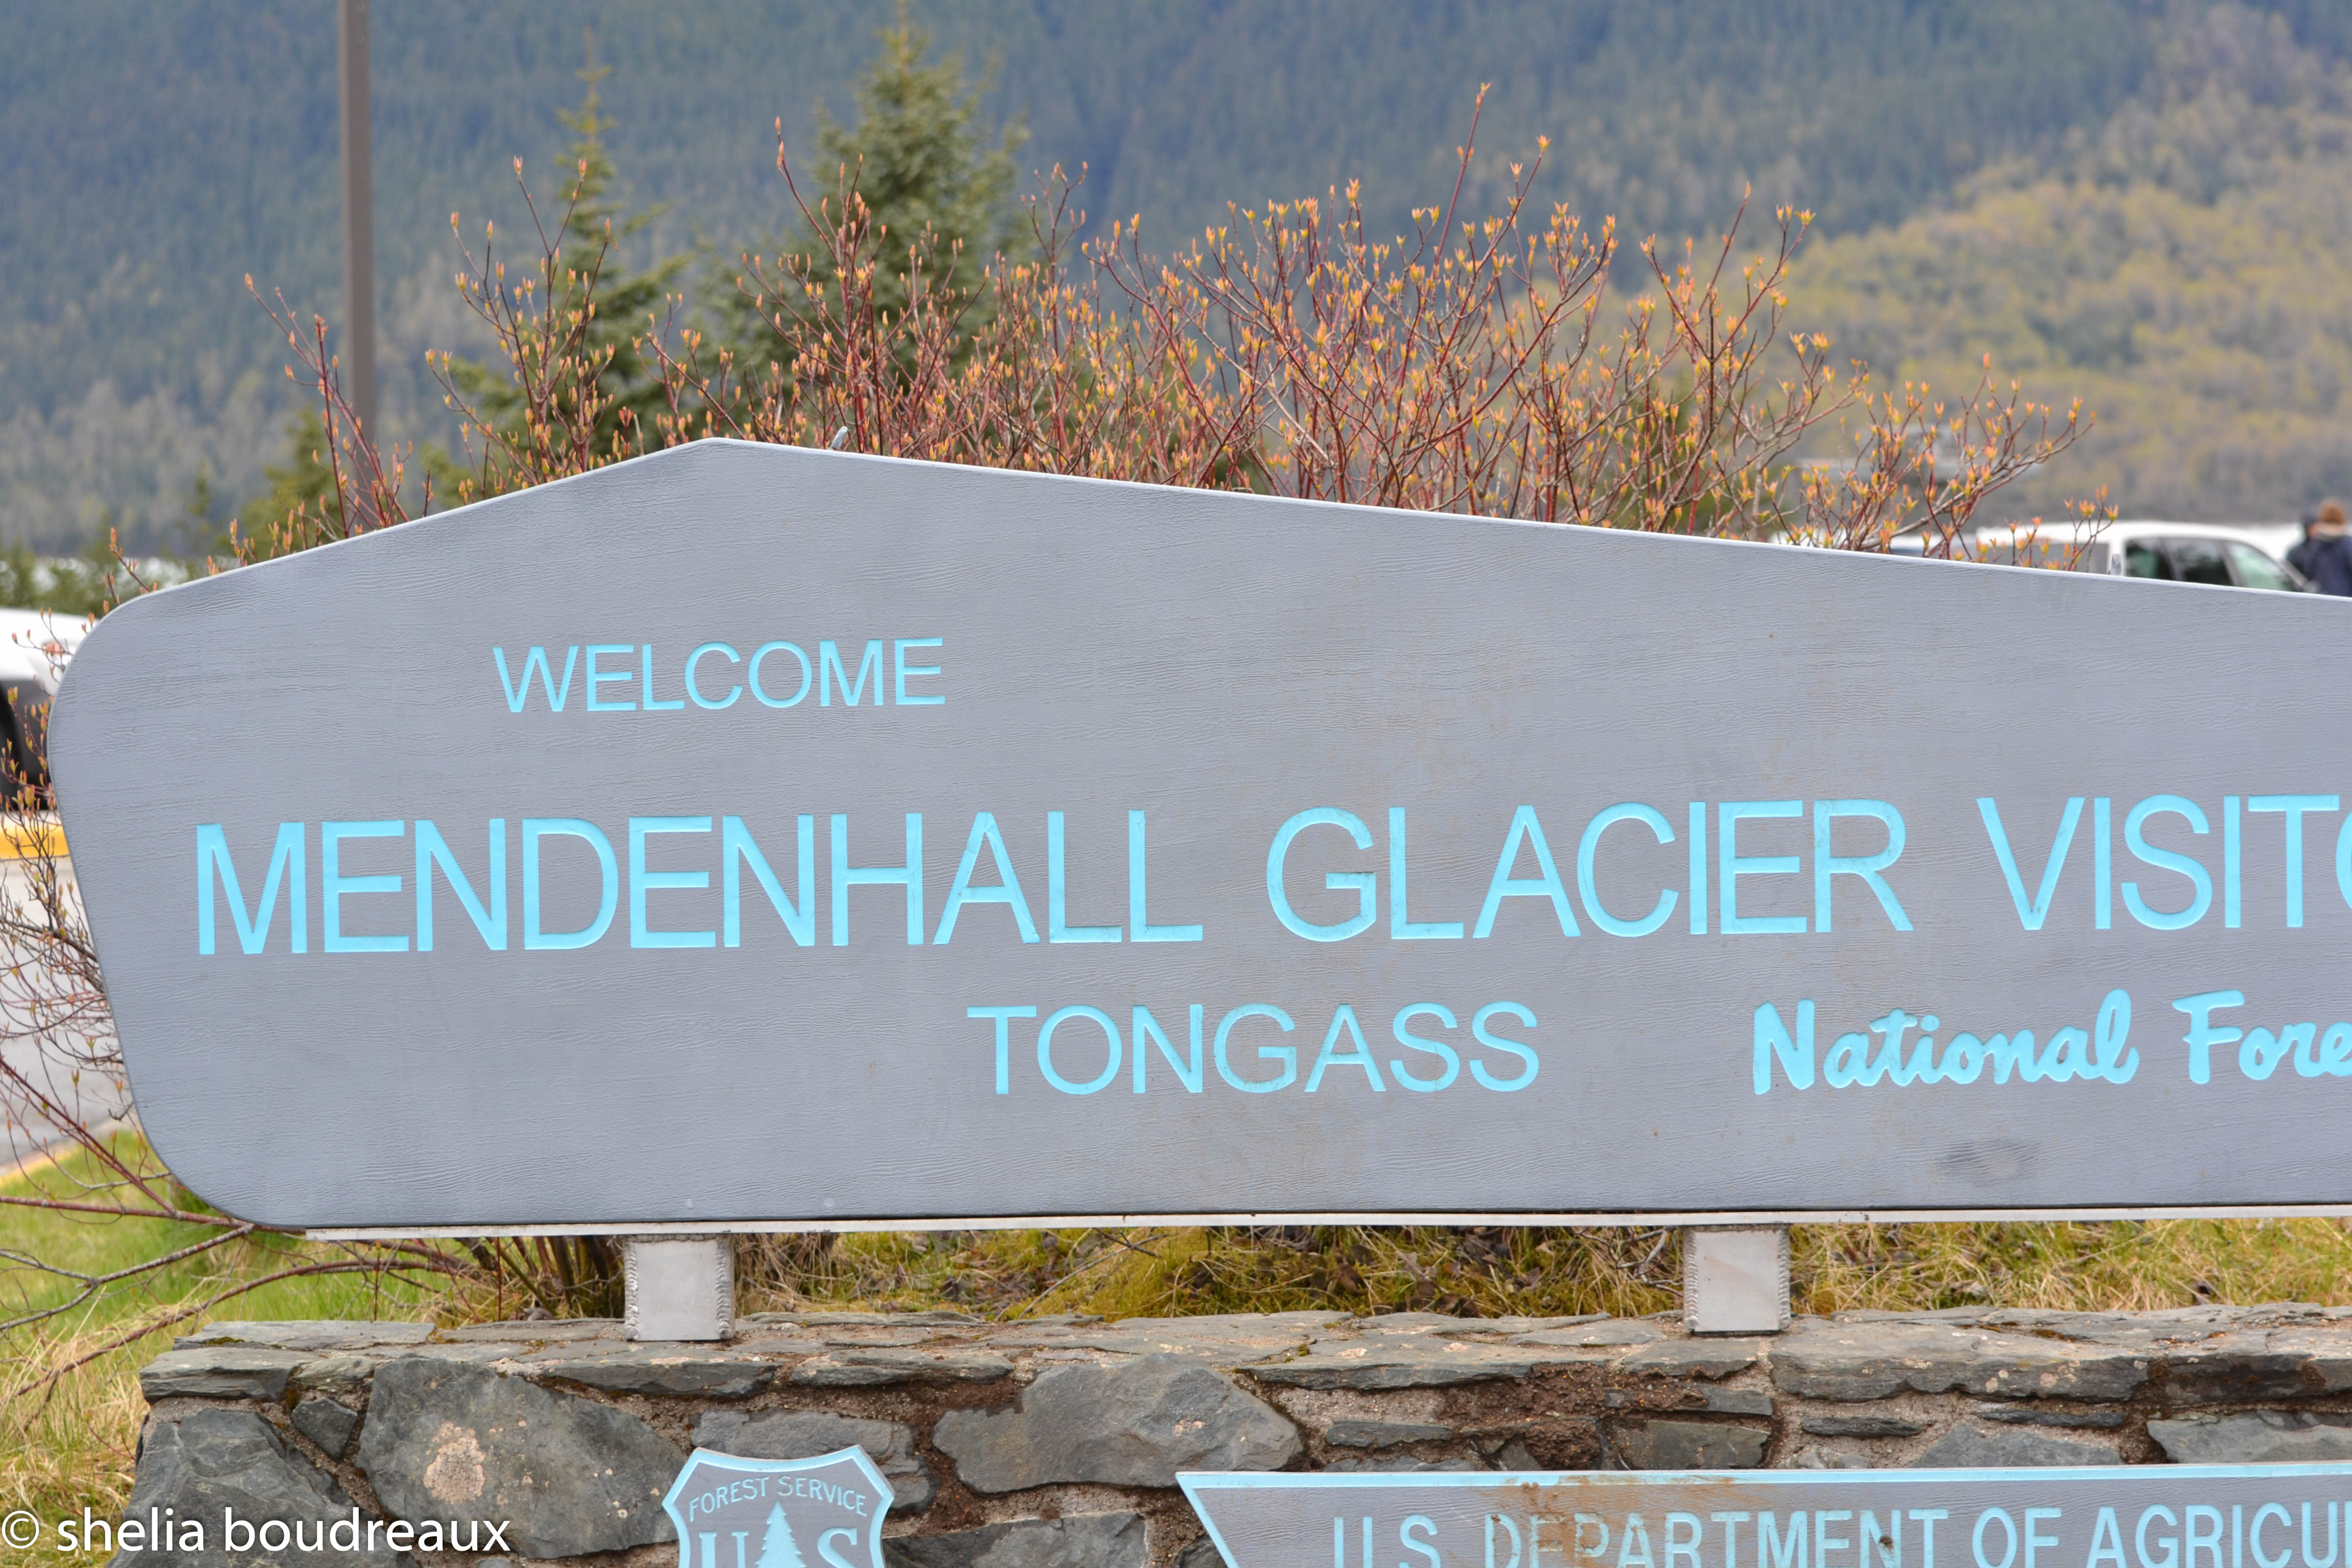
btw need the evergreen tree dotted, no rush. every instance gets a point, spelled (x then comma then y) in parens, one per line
(202, 531)
(918, 161)
(74, 585)
(777, 1549)
(304, 482)
(587, 283)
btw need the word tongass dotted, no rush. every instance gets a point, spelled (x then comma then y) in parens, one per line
(1423, 1029)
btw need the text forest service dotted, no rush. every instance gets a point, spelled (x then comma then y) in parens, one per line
(773, 836)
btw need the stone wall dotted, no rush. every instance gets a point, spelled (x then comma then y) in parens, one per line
(1055, 1442)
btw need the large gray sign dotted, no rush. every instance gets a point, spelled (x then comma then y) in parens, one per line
(750, 833)
(2152, 1516)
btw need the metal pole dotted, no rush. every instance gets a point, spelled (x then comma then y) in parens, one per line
(679, 1288)
(1735, 1279)
(359, 218)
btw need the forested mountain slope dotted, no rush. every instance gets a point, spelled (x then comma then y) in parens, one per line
(2187, 271)
(157, 151)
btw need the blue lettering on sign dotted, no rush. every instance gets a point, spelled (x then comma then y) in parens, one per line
(1589, 846)
(433, 850)
(1345, 1047)
(760, 656)
(1731, 866)
(214, 868)
(519, 693)
(695, 690)
(643, 880)
(2261, 1050)
(1012, 856)
(1525, 828)
(829, 670)
(695, 680)
(333, 886)
(2141, 819)
(2030, 915)
(1624, 885)
(597, 678)
(738, 849)
(535, 829)
(1365, 883)
(1010, 847)
(1880, 1054)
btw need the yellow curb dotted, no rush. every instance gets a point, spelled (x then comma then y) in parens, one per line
(22, 838)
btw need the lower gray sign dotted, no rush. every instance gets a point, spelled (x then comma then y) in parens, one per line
(2153, 1516)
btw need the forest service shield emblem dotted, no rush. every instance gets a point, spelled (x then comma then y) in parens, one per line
(821, 1513)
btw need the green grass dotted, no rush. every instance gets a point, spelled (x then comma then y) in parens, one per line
(70, 1444)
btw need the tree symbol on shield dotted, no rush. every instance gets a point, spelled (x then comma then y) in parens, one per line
(777, 1548)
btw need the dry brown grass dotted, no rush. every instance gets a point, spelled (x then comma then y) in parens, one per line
(1497, 1270)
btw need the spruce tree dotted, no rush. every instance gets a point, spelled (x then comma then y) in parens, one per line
(589, 271)
(918, 161)
(304, 483)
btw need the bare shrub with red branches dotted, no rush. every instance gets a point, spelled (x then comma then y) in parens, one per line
(1480, 364)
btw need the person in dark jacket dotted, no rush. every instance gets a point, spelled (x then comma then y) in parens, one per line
(2327, 556)
(2299, 553)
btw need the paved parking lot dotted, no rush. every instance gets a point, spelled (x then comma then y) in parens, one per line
(94, 1100)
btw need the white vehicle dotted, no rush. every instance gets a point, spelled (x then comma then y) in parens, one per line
(36, 646)
(2222, 554)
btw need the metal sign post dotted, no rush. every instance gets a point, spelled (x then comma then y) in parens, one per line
(359, 215)
(678, 1288)
(1735, 1280)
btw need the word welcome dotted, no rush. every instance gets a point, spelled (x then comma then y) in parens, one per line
(716, 676)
